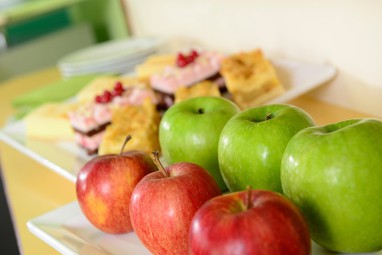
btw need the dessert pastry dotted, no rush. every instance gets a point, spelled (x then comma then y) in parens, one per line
(91, 118)
(250, 79)
(102, 83)
(186, 71)
(50, 122)
(204, 88)
(141, 122)
(154, 65)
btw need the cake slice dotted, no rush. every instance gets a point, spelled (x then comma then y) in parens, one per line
(141, 122)
(92, 117)
(50, 122)
(250, 79)
(102, 83)
(186, 71)
(154, 65)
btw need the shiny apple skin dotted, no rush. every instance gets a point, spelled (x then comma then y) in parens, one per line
(272, 226)
(104, 186)
(189, 132)
(333, 173)
(162, 206)
(252, 143)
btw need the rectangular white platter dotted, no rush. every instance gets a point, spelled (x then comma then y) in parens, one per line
(68, 231)
(66, 158)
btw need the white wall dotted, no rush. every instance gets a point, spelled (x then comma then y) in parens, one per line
(344, 33)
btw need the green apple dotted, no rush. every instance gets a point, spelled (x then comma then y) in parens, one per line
(252, 143)
(189, 131)
(334, 174)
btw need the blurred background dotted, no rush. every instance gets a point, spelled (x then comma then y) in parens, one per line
(36, 33)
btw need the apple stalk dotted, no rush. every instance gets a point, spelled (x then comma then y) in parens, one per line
(128, 138)
(159, 164)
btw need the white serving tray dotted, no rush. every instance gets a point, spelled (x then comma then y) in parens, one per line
(66, 158)
(68, 231)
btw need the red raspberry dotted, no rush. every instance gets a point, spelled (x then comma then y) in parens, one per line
(181, 60)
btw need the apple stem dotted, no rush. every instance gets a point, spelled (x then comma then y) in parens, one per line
(249, 197)
(268, 116)
(128, 138)
(159, 164)
(200, 111)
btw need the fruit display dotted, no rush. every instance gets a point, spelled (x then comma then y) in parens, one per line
(104, 186)
(164, 202)
(333, 173)
(252, 143)
(239, 176)
(249, 222)
(322, 183)
(190, 130)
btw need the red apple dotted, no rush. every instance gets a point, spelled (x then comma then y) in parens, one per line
(104, 186)
(163, 204)
(249, 222)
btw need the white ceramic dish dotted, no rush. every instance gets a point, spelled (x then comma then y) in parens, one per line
(66, 159)
(117, 68)
(116, 51)
(70, 233)
(117, 56)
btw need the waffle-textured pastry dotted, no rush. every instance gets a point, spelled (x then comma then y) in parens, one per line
(141, 122)
(250, 78)
(205, 88)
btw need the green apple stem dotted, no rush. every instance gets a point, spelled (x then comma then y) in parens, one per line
(128, 138)
(268, 116)
(249, 197)
(159, 164)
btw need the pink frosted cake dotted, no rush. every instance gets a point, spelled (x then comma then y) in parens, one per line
(90, 119)
(187, 71)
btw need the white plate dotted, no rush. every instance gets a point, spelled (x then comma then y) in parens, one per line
(66, 159)
(69, 232)
(113, 68)
(111, 52)
(299, 77)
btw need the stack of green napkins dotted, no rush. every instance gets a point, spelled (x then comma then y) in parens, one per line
(55, 92)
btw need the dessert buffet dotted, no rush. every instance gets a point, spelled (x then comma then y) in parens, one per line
(199, 152)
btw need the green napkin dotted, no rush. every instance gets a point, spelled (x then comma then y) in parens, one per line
(55, 92)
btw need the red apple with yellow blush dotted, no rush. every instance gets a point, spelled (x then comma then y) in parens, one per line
(104, 186)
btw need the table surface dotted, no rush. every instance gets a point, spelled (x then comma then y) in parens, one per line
(33, 190)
